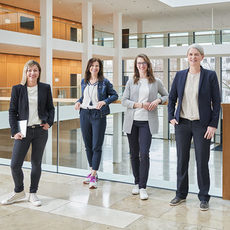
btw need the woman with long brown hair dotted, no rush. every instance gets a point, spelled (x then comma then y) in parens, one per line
(141, 119)
(97, 94)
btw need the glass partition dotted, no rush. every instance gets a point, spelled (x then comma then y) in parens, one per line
(102, 38)
(65, 152)
(225, 36)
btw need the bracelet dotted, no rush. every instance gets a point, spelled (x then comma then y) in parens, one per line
(141, 105)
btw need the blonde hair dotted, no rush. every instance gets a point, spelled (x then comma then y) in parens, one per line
(30, 63)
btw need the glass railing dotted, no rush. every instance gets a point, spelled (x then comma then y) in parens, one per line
(102, 38)
(146, 40)
(62, 91)
(65, 151)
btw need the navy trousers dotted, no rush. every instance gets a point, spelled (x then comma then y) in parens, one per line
(184, 132)
(140, 140)
(38, 138)
(93, 131)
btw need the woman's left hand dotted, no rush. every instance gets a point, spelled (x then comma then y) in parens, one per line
(45, 126)
(154, 104)
(210, 132)
(100, 104)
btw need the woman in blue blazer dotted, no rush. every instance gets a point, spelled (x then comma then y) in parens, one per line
(97, 94)
(31, 101)
(196, 93)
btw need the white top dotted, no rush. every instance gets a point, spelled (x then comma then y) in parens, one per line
(33, 106)
(190, 109)
(90, 98)
(141, 114)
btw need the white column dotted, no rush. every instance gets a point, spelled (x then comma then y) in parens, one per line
(140, 35)
(87, 33)
(46, 60)
(117, 81)
(117, 60)
(117, 138)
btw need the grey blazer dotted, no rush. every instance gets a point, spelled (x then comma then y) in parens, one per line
(131, 96)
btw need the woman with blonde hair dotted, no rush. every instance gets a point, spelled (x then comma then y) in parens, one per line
(31, 101)
(141, 118)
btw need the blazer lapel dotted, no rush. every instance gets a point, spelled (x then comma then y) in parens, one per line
(39, 94)
(25, 95)
(201, 77)
(183, 80)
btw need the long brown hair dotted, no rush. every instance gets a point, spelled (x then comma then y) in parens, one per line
(150, 75)
(100, 75)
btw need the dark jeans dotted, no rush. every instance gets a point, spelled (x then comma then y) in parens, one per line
(140, 140)
(93, 132)
(184, 131)
(38, 138)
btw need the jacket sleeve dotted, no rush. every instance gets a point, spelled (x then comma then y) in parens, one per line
(13, 111)
(162, 91)
(81, 98)
(172, 99)
(215, 97)
(126, 96)
(112, 94)
(50, 107)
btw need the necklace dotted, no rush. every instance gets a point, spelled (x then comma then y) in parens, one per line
(91, 95)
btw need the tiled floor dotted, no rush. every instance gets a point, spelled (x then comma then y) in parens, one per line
(68, 204)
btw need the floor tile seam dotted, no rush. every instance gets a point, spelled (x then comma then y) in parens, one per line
(69, 201)
(52, 210)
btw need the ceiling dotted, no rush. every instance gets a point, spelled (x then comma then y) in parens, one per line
(132, 10)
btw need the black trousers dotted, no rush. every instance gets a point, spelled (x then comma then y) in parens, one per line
(93, 131)
(140, 140)
(38, 138)
(184, 131)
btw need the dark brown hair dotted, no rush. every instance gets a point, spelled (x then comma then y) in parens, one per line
(100, 75)
(150, 75)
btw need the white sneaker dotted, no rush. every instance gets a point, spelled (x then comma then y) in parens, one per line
(34, 199)
(15, 197)
(143, 194)
(135, 190)
(93, 182)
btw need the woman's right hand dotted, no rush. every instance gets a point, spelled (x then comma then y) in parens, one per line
(77, 106)
(174, 122)
(18, 136)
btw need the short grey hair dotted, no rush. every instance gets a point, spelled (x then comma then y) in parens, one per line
(198, 47)
(29, 64)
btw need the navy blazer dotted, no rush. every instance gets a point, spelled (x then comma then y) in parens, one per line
(19, 105)
(208, 97)
(105, 93)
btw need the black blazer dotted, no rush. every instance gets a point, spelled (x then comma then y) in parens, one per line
(208, 97)
(19, 105)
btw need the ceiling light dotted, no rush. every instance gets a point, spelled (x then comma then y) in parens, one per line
(179, 3)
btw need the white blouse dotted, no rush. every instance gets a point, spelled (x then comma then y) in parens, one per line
(33, 106)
